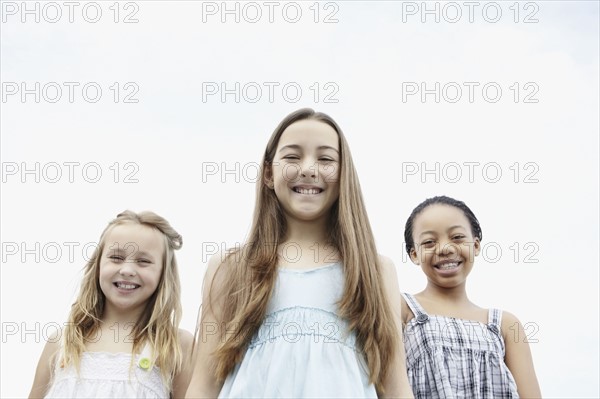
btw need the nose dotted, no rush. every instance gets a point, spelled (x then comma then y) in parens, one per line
(308, 168)
(447, 248)
(127, 269)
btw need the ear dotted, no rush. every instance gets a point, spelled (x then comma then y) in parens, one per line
(268, 175)
(413, 256)
(476, 247)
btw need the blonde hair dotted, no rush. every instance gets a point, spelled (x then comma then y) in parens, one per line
(250, 279)
(158, 323)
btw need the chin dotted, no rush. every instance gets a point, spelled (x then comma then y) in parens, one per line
(309, 216)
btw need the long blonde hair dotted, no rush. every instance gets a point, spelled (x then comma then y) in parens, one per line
(158, 323)
(250, 278)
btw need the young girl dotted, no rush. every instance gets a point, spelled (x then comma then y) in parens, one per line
(304, 308)
(454, 348)
(121, 340)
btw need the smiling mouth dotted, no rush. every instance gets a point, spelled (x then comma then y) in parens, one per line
(447, 265)
(307, 191)
(126, 286)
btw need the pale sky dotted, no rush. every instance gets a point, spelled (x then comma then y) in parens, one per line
(189, 97)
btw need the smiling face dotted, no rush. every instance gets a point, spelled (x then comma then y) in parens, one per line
(306, 169)
(131, 266)
(444, 245)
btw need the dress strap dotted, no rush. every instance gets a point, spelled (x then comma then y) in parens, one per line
(420, 314)
(495, 320)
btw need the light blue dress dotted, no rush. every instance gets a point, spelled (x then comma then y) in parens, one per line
(302, 348)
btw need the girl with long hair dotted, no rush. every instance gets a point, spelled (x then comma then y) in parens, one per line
(121, 339)
(306, 307)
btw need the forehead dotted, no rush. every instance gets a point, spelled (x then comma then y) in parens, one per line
(438, 217)
(134, 235)
(309, 133)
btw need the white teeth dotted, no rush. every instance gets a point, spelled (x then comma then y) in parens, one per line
(447, 266)
(307, 190)
(126, 286)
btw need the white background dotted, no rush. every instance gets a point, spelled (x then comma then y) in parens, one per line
(540, 226)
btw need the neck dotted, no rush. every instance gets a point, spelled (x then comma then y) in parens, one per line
(311, 241)
(306, 233)
(110, 316)
(456, 294)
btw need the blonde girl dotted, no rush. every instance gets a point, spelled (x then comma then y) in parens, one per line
(121, 339)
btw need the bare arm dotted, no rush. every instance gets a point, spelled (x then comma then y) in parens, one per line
(396, 385)
(43, 372)
(203, 382)
(407, 314)
(182, 379)
(518, 357)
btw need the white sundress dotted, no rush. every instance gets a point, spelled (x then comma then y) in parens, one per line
(109, 375)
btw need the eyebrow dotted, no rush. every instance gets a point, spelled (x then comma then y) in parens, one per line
(426, 232)
(449, 228)
(111, 250)
(143, 253)
(138, 253)
(297, 147)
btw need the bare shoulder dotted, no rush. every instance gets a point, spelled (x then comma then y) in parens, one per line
(53, 343)
(186, 343)
(407, 314)
(508, 320)
(44, 370)
(183, 376)
(390, 280)
(214, 263)
(214, 286)
(518, 356)
(186, 339)
(388, 269)
(390, 276)
(215, 273)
